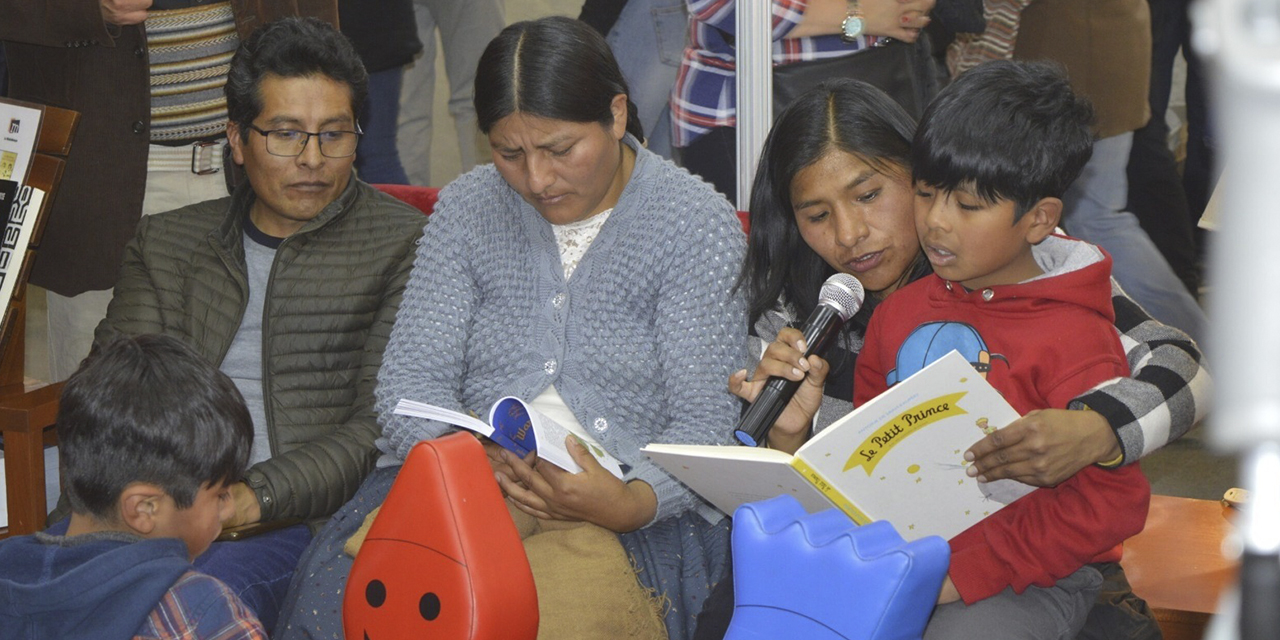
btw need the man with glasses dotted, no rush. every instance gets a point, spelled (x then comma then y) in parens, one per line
(147, 78)
(290, 286)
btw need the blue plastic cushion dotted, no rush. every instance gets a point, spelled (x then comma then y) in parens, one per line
(822, 577)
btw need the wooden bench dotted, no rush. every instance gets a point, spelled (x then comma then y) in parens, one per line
(27, 411)
(1176, 564)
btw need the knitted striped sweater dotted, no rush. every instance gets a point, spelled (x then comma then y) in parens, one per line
(639, 342)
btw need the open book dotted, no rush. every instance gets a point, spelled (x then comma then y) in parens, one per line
(518, 428)
(899, 457)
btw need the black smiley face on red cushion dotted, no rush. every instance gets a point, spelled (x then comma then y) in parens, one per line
(428, 605)
(419, 591)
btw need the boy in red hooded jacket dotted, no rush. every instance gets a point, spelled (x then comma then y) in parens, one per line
(1032, 310)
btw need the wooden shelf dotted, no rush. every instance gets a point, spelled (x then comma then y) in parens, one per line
(28, 410)
(1177, 563)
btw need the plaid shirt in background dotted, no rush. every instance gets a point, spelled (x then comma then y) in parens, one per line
(704, 95)
(200, 607)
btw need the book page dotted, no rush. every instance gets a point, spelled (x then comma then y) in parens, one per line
(730, 476)
(517, 428)
(900, 457)
(415, 409)
(530, 430)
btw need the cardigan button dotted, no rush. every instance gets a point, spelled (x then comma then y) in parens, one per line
(558, 300)
(549, 367)
(140, 52)
(600, 425)
(988, 294)
(139, 126)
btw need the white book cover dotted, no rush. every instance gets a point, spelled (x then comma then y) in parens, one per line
(19, 129)
(899, 457)
(519, 428)
(16, 237)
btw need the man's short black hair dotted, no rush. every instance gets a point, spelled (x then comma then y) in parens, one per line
(1007, 131)
(149, 409)
(291, 48)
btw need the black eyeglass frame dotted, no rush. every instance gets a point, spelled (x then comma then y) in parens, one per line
(266, 134)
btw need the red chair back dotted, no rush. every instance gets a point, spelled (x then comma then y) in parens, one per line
(423, 198)
(443, 559)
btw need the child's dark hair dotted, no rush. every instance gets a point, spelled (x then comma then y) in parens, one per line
(149, 409)
(556, 68)
(1007, 131)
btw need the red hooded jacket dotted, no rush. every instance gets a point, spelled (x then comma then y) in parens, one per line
(1045, 341)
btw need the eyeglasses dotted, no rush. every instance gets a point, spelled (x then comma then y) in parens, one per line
(291, 143)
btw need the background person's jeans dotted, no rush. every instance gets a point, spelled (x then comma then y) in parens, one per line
(1094, 212)
(466, 27)
(648, 41)
(1157, 192)
(377, 160)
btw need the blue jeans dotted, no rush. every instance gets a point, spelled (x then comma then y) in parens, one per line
(258, 569)
(1094, 212)
(314, 609)
(648, 41)
(377, 160)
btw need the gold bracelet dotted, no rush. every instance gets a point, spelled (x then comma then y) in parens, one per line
(1114, 462)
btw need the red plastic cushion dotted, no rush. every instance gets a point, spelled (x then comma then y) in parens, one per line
(443, 559)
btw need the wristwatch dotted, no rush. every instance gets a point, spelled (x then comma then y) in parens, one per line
(853, 23)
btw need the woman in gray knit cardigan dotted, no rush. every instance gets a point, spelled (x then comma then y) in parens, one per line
(593, 279)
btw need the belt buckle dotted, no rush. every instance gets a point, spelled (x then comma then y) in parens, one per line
(197, 150)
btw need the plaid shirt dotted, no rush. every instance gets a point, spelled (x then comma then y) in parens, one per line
(1170, 391)
(200, 607)
(705, 96)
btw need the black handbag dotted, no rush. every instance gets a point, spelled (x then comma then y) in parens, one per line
(901, 69)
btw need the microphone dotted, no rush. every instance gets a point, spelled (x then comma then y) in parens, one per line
(840, 297)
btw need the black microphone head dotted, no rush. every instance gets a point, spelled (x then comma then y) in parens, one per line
(844, 293)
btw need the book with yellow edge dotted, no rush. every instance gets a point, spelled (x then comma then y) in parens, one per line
(899, 457)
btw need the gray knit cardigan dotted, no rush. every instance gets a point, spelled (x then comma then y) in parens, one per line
(639, 342)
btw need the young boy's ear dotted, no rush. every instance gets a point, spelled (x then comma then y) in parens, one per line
(1042, 219)
(140, 507)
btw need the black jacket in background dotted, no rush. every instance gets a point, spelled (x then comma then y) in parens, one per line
(384, 32)
(601, 14)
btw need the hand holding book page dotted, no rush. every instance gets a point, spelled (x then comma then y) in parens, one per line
(518, 428)
(899, 457)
